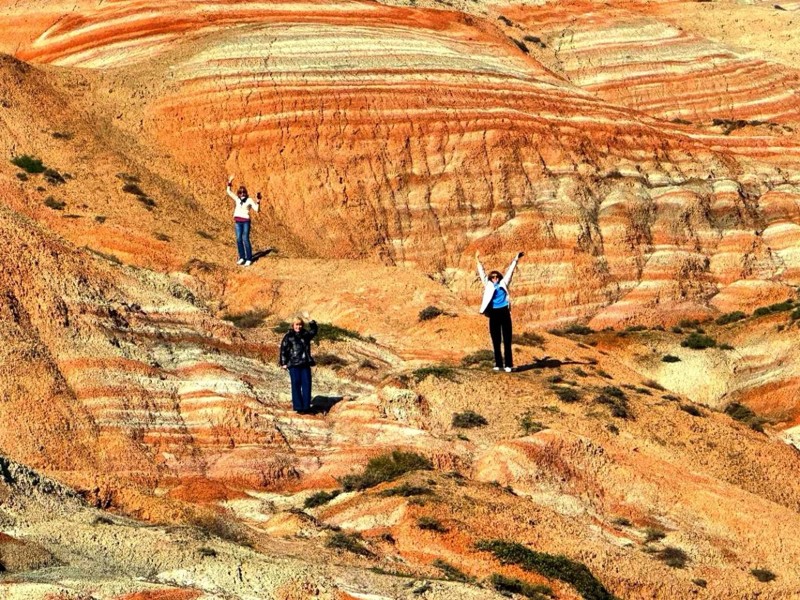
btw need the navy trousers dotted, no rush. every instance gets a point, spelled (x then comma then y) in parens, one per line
(301, 387)
(243, 240)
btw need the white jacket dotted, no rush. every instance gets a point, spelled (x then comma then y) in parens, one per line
(488, 286)
(242, 209)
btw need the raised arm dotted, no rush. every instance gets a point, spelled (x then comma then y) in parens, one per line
(312, 329)
(510, 272)
(481, 271)
(228, 189)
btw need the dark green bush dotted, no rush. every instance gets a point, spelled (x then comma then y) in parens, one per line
(528, 338)
(730, 317)
(512, 585)
(567, 394)
(162, 237)
(204, 235)
(334, 333)
(61, 135)
(386, 467)
(320, 498)
(430, 312)
(51, 202)
(528, 424)
(604, 374)
(669, 358)
(330, 360)
(431, 524)
(468, 420)
(53, 177)
(616, 399)
(450, 572)
(549, 565)
(700, 582)
(477, 358)
(148, 203)
(248, 319)
(673, 557)
(406, 491)
(689, 324)
(796, 314)
(651, 383)
(725, 347)
(437, 371)
(29, 164)
(350, 542)
(742, 413)
(635, 328)
(132, 188)
(692, 410)
(622, 522)
(698, 341)
(577, 329)
(763, 575)
(651, 534)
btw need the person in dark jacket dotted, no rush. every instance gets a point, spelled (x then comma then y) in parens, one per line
(295, 356)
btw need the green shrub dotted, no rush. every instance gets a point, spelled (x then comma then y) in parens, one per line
(549, 565)
(580, 372)
(671, 397)
(207, 552)
(162, 237)
(53, 177)
(430, 312)
(431, 524)
(386, 467)
(795, 314)
(468, 420)
(604, 374)
(450, 572)
(577, 329)
(742, 413)
(29, 164)
(567, 394)
(246, 320)
(22, 176)
(350, 542)
(763, 575)
(615, 398)
(669, 358)
(528, 424)
(477, 358)
(406, 491)
(528, 338)
(673, 557)
(651, 534)
(51, 202)
(676, 329)
(622, 522)
(700, 582)
(689, 324)
(320, 498)
(635, 328)
(512, 585)
(334, 333)
(438, 371)
(205, 235)
(327, 359)
(692, 410)
(725, 347)
(651, 383)
(698, 341)
(730, 317)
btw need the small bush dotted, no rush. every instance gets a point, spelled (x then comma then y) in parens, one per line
(567, 394)
(162, 237)
(61, 135)
(549, 565)
(671, 397)
(615, 398)
(450, 572)
(334, 333)
(205, 235)
(22, 176)
(320, 498)
(349, 542)
(246, 320)
(148, 203)
(651, 534)
(676, 329)
(133, 188)
(580, 372)
(439, 372)
(528, 338)
(100, 219)
(207, 552)
(635, 328)
(613, 429)
(512, 585)
(468, 420)
(692, 410)
(725, 347)
(330, 360)
(742, 413)
(700, 582)
(604, 374)
(477, 358)
(698, 341)
(651, 383)
(406, 491)
(730, 317)
(51, 202)
(528, 424)
(430, 312)
(795, 314)
(673, 557)
(29, 164)
(53, 177)
(622, 522)
(577, 329)
(431, 524)
(386, 467)
(763, 575)
(689, 323)
(669, 358)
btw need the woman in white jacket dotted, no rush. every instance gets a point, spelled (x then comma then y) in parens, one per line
(241, 217)
(496, 304)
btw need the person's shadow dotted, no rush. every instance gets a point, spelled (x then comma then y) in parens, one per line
(263, 253)
(321, 405)
(550, 363)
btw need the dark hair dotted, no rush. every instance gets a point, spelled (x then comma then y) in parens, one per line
(242, 189)
(498, 273)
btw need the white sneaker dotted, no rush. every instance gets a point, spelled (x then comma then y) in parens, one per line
(507, 369)
(495, 368)
(247, 263)
(240, 261)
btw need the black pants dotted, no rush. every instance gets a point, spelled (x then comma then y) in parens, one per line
(500, 327)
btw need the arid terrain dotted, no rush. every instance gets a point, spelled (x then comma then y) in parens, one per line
(643, 154)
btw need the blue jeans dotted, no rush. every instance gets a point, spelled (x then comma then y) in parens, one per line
(301, 387)
(243, 240)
